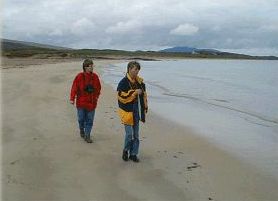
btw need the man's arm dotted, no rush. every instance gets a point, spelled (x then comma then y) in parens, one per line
(73, 91)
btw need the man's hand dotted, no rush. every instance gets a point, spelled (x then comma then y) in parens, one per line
(138, 91)
(146, 110)
(71, 102)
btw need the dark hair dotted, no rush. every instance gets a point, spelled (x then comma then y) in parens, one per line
(87, 62)
(133, 64)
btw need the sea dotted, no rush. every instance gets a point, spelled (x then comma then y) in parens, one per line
(231, 103)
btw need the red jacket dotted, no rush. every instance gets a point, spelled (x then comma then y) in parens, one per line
(84, 99)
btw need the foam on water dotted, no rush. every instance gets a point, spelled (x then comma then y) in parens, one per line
(233, 103)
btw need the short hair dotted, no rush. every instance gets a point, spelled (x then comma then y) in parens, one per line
(87, 62)
(132, 64)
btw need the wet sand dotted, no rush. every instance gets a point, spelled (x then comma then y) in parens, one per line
(43, 157)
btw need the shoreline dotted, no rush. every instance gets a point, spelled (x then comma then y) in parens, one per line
(226, 124)
(176, 164)
(216, 160)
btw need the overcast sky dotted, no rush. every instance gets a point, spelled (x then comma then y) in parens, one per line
(245, 26)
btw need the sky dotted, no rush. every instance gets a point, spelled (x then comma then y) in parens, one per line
(241, 26)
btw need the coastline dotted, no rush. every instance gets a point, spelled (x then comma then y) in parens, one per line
(45, 159)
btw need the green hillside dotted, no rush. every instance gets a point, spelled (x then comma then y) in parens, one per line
(12, 49)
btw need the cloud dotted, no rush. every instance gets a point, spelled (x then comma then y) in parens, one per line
(56, 32)
(152, 25)
(82, 26)
(270, 28)
(185, 30)
(124, 27)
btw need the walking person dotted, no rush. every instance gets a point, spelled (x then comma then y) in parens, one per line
(85, 92)
(132, 101)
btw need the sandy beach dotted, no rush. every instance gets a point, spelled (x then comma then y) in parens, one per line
(44, 158)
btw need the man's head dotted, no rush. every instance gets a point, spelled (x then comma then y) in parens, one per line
(87, 65)
(133, 68)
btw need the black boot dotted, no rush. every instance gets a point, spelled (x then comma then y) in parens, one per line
(88, 139)
(134, 158)
(125, 155)
(82, 133)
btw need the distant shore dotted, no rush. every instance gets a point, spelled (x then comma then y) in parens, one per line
(43, 157)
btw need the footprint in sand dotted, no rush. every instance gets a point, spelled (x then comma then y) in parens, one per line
(12, 163)
(195, 165)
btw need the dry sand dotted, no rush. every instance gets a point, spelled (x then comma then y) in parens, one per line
(43, 157)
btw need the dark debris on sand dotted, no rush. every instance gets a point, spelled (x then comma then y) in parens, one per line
(195, 165)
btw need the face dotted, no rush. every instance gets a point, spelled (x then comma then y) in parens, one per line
(89, 68)
(133, 72)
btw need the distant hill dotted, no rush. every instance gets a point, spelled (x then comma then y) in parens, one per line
(213, 53)
(179, 49)
(190, 50)
(13, 48)
(8, 44)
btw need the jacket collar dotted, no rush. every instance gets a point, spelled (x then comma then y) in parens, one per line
(138, 79)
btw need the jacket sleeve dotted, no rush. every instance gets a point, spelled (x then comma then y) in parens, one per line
(74, 89)
(145, 97)
(98, 87)
(125, 96)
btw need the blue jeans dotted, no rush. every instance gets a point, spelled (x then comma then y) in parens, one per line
(85, 120)
(131, 143)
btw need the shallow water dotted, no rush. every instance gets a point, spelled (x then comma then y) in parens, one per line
(232, 103)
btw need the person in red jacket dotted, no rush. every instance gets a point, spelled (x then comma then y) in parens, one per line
(85, 92)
